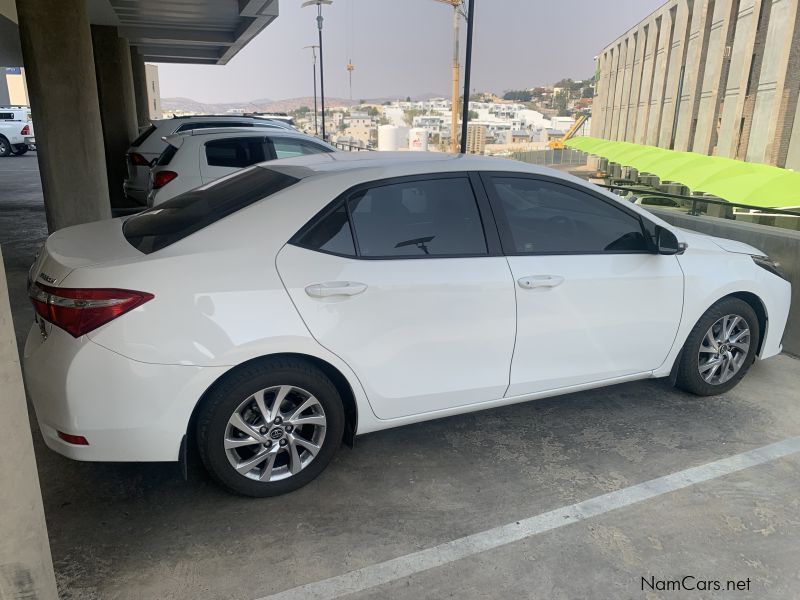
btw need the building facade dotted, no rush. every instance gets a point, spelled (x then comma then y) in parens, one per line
(153, 91)
(476, 139)
(718, 77)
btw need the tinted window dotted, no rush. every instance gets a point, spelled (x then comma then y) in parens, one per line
(436, 217)
(546, 217)
(166, 156)
(212, 124)
(287, 147)
(183, 215)
(237, 152)
(331, 233)
(143, 136)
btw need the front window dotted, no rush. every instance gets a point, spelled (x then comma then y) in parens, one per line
(542, 217)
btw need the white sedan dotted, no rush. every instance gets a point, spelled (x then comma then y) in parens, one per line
(263, 319)
(198, 156)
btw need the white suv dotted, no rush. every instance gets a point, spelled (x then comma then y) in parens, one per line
(199, 156)
(150, 144)
(16, 130)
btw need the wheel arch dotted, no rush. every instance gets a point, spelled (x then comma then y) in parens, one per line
(753, 300)
(338, 379)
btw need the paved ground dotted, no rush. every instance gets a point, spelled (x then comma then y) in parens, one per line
(139, 532)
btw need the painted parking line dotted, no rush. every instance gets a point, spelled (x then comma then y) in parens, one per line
(416, 562)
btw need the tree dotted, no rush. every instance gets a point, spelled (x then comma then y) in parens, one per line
(517, 95)
(560, 103)
(408, 115)
(408, 98)
(473, 114)
(587, 92)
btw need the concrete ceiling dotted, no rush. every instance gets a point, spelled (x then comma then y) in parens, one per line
(208, 32)
(10, 52)
(186, 31)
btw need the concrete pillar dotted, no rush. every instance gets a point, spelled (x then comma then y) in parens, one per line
(26, 567)
(625, 97)
(640, 35)
(770, 111)
(651, 33)
(112, 62)
(57, 52)
(140, 88)
(5, 96)
(673, 87)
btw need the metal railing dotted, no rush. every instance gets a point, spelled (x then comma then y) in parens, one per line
(693, 203)
(348, 147)
(551, 156)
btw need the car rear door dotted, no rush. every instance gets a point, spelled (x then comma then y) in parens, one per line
(404, 280)
(594, 302)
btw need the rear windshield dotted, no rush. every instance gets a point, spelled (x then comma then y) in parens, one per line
(183, 215)
(166, 156)
(143, 136)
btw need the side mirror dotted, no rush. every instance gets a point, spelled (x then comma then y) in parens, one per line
(667, 243)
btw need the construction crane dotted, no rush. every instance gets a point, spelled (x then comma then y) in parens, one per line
(458, 11)
(574, 128)
(350, 69)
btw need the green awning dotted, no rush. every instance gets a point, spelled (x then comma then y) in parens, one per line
(733, 180)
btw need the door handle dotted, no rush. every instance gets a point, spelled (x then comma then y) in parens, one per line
(540, 281)
(335, 288)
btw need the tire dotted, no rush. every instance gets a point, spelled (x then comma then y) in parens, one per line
(19, 150)
(5, 147)
(273, 450)
(713, 361)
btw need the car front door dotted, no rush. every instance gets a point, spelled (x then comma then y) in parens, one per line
(405, 281)
(594, 301)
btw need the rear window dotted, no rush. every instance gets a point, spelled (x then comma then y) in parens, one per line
(166, 156)
(143, 136)
(183, 215)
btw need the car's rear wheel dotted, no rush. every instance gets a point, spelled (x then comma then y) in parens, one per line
(720, 348)
(5, 147)
(20, 149)
(270, 428)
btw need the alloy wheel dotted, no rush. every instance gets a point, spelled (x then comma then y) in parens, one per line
(724, 349)
(275, 433)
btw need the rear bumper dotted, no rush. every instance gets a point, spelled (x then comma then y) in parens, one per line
(134, 193)
(128, 411)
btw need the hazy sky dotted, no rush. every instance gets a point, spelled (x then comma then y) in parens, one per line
(404, 47)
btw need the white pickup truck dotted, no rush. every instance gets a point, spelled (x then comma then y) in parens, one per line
(16, 130)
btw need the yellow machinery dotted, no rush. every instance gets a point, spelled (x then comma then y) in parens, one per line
(559, 143)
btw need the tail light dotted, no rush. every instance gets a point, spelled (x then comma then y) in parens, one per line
(77, 440)
(26, 130)
(81, 310)
(138, 160)
(162, 178)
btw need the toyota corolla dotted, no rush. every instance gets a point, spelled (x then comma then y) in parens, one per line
(264, 318)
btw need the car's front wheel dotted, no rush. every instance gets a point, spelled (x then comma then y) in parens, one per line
(270, 427)
(5, 147)
(720, 348)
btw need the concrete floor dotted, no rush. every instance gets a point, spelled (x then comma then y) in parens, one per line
(139, 532)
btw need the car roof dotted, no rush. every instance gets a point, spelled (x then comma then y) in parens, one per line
(404, 163)
(177, 139)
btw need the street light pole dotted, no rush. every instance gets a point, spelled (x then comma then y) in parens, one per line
(319, 4)
(314, 57)
(467, 73)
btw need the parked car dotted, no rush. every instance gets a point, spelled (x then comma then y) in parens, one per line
(150, 144)
(657, 201)
(16, 130)
(264, 318)
(199, 156)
